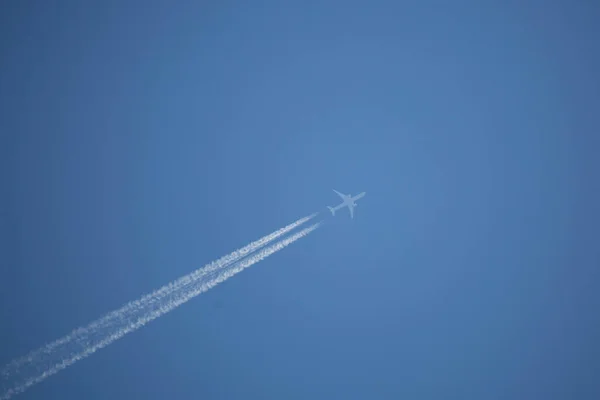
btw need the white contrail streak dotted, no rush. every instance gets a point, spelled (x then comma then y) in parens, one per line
(80, 333)
(82, 342)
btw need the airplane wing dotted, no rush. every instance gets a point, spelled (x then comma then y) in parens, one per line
(340, 194)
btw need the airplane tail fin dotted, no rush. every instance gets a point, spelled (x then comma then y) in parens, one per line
(332, 210)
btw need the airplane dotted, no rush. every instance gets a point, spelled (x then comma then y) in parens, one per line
(348, 201)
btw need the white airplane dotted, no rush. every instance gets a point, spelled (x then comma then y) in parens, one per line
(348, 201)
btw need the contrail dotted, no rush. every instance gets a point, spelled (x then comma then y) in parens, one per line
(108, 319)
(82, 342)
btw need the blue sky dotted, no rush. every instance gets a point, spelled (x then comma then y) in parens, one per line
(141, 140)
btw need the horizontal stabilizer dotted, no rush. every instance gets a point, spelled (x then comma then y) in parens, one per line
(332, 210)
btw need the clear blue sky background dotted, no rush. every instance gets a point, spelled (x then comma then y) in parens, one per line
(140, 140)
